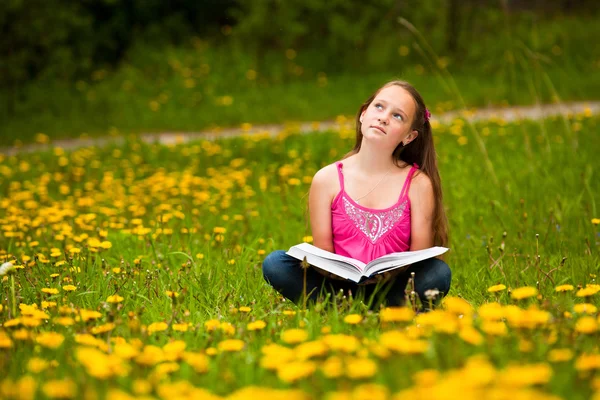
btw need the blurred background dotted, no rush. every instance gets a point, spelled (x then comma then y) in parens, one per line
(77, 68)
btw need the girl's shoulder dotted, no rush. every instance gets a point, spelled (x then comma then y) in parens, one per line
(420, 185)
(327, 174)
(327, 179)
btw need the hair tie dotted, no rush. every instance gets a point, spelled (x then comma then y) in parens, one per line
(427, 115)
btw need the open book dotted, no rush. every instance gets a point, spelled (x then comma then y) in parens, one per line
(357, 271)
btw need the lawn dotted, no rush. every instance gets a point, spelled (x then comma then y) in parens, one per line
(138, 272)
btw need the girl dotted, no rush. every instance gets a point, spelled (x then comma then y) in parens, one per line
(384, 196)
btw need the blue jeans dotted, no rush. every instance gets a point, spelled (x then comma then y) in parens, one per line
(285, 274)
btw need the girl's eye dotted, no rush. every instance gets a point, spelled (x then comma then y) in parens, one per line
(378, 106)
(398, 117)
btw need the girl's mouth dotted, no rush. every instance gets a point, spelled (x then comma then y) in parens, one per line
(379, 128)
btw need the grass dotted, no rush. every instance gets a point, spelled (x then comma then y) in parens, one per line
(141, 221)
(191, 89)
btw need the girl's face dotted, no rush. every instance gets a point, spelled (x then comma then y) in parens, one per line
(389, 117)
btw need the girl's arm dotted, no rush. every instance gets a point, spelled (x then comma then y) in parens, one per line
(319, 205)
(422, 205)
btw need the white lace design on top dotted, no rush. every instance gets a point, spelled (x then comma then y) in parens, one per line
(374, 224)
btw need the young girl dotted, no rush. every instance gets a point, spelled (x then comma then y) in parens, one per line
(384, 196)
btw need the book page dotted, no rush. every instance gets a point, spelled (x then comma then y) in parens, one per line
(309, 248)
(335, 267)
(395, 260)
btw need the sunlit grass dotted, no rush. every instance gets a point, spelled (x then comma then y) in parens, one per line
(138, 272)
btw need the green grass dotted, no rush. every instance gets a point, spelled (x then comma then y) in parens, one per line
(546, 186)
(149, 93)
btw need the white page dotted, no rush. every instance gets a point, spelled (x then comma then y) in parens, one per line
(335, 267)
(309, 248)
(403, 258)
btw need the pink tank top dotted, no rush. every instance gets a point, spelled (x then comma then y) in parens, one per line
(365, 233)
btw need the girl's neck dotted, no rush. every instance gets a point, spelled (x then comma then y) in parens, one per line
(371, 162)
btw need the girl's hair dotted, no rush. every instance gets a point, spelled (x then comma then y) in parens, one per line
(420, 151)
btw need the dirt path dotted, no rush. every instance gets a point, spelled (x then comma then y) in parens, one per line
(507, 114)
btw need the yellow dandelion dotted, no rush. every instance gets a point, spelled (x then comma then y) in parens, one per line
(212, 324)
(586, 325)
(396, 314)
(353, 319)
(523, 293)
(296, 370)
(115, 298)
(293, 336)
(587, 291)
(50, 290)
(360, 368)
(157, 327)
(231, 345)
(60, 389)
(69, 288)
(585, 308)
(180, 327)
(51, 340)
(256, 325)
(496, 288)
(563, 288)
(560, 355)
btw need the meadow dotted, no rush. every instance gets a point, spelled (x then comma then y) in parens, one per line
(136, 272)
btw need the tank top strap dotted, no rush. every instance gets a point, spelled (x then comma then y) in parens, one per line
(340, 175)
(406, 186)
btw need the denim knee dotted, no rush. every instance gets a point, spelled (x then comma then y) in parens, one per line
(271, 265)
(435, 274)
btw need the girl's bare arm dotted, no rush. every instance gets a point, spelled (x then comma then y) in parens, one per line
(319, 205)
(422, 205)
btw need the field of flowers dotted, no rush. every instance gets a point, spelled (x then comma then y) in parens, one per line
(136, 273)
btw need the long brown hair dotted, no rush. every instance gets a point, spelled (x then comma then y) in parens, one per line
(420, 151)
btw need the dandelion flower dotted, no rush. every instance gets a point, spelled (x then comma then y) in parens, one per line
(69, 288)
(586, 325)
(231, 345)
(563, 288)
(293, 336)
(294, 371)
(157, 327)
(353, 319)
(360, 368)
(115, 298)
(256, 325)
(396, 314)
(50, 290)
(457, 306)
(60, 389)
(496, 288)
(471, 335)
(524, 293)
(560, 355)
(585, 308)
(587, 291)
(212, 324)
(180, 327)
(51, 340)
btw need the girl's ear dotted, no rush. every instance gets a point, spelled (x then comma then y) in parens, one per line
(411, 136)
(362, 114)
